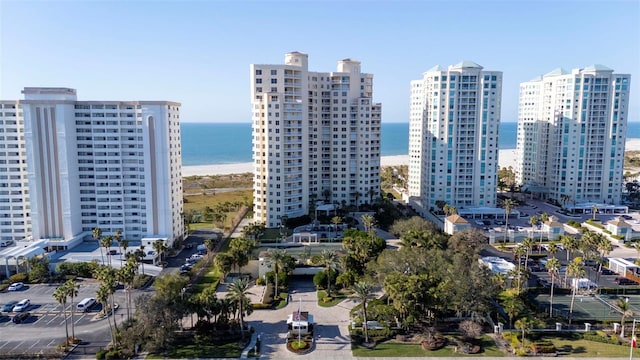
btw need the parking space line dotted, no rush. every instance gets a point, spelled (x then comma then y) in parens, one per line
(54, 317)
(17, 346)
(80, 318)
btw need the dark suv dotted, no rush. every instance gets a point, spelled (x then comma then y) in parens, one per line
(20, 317)
(624, 281)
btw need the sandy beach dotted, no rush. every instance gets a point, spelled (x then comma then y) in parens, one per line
(507, 158)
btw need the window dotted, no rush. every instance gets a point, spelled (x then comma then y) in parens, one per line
(258, 81)
(258, 72)
(274, 81)
(274, 72)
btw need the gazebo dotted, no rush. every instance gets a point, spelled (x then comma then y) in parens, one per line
(308, 236)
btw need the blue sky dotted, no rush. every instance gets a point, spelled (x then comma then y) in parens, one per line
(198, 52)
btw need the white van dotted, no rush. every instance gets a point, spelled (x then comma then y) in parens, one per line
(85, 304)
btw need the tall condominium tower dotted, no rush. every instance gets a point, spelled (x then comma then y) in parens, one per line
(15, 223)
(316, 137)
(78, 165)
(571, 135)
(453, 136)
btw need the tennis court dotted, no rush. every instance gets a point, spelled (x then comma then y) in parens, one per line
(589, 307)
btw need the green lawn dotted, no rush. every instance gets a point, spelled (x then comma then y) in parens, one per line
(201, 350)
(337, 298)
(586, 348)
(211, 278)
(395, 349)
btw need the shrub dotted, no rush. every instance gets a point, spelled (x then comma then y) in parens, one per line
(19, 277)
(320, 279)
(297, 345)
(260, 281)
(602, 337)
(101, 354)
(140, 280)
(113, 354)
(260, 306)
(81, 269)
(543, 347)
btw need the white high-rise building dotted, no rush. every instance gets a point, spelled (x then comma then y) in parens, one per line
(15, 223)
(316, 137)
(86, 164)
(571, 135)
(453, 136)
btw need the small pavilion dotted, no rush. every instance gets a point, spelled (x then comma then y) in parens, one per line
(311, 238)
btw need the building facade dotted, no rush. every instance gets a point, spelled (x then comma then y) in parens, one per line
(86, 164)
(316, 138)
(453, 136)
(571, 135)
(15, 223)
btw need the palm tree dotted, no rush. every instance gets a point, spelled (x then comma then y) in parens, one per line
(159, 247)
(127, 275)
(605, 247)
(71, 289)
(102, 295)
(553, 266)
(237, 292)
(449, 209)
(139, 256)
(329, 260)
(508, 205)
(570, 243)
(368, 221)
(552, 248)
(564, 198)
(623, 305)
(512, 305)
(97, 235)
(276, 256)
(60, 294)
(527, 243)
(594, 211)
(362, 291)
(107, 276)
(210, 245)
(533, 220)
(118, 238)
(525, 324)
(336, 220)
(125, 244)
(544, 217)
(576, 271)
(106, 242)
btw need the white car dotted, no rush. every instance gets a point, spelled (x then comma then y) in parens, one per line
(15, 286)
(22, 305)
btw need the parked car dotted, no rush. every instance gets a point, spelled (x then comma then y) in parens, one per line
(605, 271)
(8, 307)
(499, 222)
(15, 286)
(544, 283)
(624, 281)
(19, 318)
(22, 305)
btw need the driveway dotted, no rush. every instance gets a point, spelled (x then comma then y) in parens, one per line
(331, 325)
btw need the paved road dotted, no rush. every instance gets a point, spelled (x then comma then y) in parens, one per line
(332, 335)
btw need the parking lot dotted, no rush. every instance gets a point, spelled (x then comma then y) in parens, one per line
(44, 309)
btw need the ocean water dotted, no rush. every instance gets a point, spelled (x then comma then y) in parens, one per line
(229, 143)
